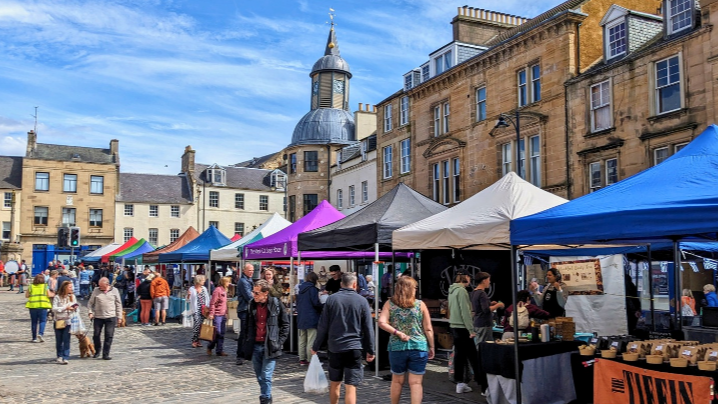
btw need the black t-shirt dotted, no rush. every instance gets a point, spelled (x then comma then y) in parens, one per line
(333, 285)
(481, 305)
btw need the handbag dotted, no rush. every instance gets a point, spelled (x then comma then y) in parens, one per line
(205, 311)
(206, 331)
(60, 324)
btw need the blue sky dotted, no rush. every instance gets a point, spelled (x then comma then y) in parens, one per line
(229, 78)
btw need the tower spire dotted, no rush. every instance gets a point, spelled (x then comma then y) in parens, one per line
(332, 45)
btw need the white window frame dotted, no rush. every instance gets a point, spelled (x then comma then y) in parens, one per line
(388, 155)
(264, 202)
(437, 121)
(6, 230)
(405, 147)
(69, 183)
(436, 182)
(655, 154)
(129, 209)
(239, 201)
(425, 73)
(174, 211)
(404, 113)
(42, 181)
(69, 216)
(352, 196)
(96, 217)
(673, 15)
(611, 39)
(447, 112)
(153, 236)
(535, 90)
(97, 184)
(41, 215)
(608, 180)
(154, 211)
(387, 118)
(523, 88)
(239, 228)
(659, 88)
(364, 191)
(522, 159)
(128, 233)
(535, 160)
(480, 104)
(679, 146)
(604, 100)
(506, 158)
(340, 198)
(446, 182)
(7, 200)
(409, 81)
(213, 201)
(593, 185)
(456, 174)
(214, 223)
(174, 235)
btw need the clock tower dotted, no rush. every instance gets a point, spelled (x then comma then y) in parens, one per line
(328, 126)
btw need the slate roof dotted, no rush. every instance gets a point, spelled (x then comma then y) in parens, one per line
(536, 21)
(239, 177)
(154, 188)
(255, 162)
(67, 153)
(10, 172)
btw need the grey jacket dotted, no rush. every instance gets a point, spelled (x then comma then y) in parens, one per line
(346, 323)
(105, 304)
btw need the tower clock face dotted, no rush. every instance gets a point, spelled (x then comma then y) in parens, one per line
(338, 86)
(315, 87)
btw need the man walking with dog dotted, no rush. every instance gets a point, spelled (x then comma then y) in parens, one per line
(105, 308)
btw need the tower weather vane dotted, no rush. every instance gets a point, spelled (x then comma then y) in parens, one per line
(331, 17)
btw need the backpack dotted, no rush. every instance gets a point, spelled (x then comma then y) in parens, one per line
(523, 314)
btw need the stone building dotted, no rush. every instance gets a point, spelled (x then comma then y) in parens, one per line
(438, 133)
(11, 192)
(354, 176)
(650, 94)
(67, 186)
(326, 127)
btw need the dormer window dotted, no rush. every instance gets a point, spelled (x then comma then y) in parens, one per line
(680, 15)
(216, 175)
(278, 180)
(364, 147)
(616, 44)
(443, 62)
(425, 73)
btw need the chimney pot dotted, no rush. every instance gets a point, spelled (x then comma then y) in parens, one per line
(360, 106)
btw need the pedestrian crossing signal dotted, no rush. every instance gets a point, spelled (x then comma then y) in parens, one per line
(74, 236)
(63, 236)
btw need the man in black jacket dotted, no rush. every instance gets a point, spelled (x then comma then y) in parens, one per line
(267, 329)
(346, 325)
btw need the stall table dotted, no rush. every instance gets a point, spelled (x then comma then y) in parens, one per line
(542, 364)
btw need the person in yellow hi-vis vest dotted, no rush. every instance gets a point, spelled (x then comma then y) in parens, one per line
(38, 301)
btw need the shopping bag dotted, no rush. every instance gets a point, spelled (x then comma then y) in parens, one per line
(206, 331)
(315, 381)
(76, 325)
(187, 318)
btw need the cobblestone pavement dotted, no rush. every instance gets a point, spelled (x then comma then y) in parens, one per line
(158, 365)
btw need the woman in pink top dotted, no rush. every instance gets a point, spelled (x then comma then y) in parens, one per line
(218, 314)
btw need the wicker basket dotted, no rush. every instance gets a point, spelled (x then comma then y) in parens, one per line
(654, 359)
(679, 362)
(608, 354)
(707, 365)
(630, 357)
(587, 350)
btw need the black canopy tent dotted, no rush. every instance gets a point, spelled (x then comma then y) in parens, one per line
(372, 227)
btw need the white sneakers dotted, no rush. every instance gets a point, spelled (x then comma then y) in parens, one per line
(35, 340)
(40, 339)
(61, 361)
(463, 388)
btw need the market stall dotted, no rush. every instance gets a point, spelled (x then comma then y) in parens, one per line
(232, 252)
(129, 243)
(96, 255)
(371, 229)
(186, 237)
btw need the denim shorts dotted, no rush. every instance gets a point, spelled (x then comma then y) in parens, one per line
(414, 361)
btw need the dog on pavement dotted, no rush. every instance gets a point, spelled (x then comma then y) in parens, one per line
(122, 321)
(87, 348)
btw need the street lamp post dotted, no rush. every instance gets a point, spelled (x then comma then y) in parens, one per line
(502, 123)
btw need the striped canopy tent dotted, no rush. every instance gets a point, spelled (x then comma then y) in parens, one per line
(129, 243)
(141, 247)
(96, 255)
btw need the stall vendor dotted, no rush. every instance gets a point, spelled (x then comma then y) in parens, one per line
(553, 298)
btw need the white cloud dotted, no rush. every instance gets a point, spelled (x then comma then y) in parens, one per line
(12, 146)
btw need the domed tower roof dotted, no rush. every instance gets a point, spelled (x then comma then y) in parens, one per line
(325, 126)
(332, 60)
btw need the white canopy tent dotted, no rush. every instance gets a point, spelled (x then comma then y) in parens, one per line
(230, 252)
(480, 222)
(104, 250)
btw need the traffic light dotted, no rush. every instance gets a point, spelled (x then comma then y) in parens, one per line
(74, 236)
(63, 236)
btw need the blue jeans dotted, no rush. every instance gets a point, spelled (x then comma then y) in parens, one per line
(38, 317)
(264, 369)
(220, 327)
(62, 342)
(85, 290)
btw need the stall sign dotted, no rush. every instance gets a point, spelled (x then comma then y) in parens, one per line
(617, 383)
(581, 277)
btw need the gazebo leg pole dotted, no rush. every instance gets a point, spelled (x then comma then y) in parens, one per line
(517, 334)
(376, 313)
(291, 295)
(650, 289)
(677, 283)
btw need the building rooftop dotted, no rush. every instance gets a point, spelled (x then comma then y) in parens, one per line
(154, 188)
(238, 177)
(72, 153)
(10, 172)
(255, 162)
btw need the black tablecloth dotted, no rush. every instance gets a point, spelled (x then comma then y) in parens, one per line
(498, 359)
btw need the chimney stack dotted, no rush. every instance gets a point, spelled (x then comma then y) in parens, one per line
(31, 144)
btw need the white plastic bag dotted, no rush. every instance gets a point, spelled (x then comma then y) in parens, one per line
(187, 319)
(316, 380)
(76, 324)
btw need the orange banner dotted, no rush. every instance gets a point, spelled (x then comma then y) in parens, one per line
(616, 383)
